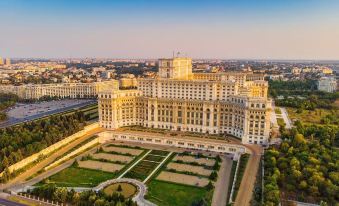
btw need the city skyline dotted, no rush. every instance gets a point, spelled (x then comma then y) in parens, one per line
(304, 30)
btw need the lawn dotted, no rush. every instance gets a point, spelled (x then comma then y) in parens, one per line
(168, 194)
(154, 158)
(78, 177)
(281, 122)
(127, 189)
(277, 110)
(141, 170)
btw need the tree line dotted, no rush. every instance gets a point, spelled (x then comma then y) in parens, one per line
(86, 198)
(295, 87)
(301, 94)
(304, 166)
(21, 141)
(6, 101)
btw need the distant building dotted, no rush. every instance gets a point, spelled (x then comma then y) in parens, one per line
(109, 74)
(1, 61)
(128, 82)
(8, 61)
(296, 70)
(327, 84)
(276, 77)
(61, 90)
(326, 70)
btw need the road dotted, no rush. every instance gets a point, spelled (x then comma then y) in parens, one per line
(13, 121)
(221, 186)
(248, 181)
(20, 179)
(4, 202)
(287, 120)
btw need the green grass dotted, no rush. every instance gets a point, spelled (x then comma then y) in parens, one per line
(168, 194)
(141, 170)
(281, 122)
(277, 110)
(78, 177)
(154, 158)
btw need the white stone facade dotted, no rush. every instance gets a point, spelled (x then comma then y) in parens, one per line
(327, 84)
(232, 103)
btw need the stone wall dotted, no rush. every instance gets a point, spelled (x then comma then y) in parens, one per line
(50, 149)
(73, 153)
(204, 144)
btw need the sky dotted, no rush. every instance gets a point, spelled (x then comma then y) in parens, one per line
(237, 29)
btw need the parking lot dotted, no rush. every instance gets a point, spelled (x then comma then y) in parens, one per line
(26, 112)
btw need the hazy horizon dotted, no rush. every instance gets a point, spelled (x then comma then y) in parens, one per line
(229, 30)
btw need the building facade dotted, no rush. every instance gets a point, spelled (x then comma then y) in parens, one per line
(177, 99)
(63, 90)
(213, 145)
(327, 84)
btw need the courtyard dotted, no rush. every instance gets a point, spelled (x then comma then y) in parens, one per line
(186, 176)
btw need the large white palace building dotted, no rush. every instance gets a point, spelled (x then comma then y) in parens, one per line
(177, 99)
(60, 90)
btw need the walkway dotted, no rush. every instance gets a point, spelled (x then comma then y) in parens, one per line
(248, 181)
(287, 120)
(135, 163)
(156, 169)
(221, 186)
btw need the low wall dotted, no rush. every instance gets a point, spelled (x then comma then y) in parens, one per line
(80, 149)
(188, 143)
(52, 148)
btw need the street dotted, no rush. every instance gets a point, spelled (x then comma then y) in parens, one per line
(4, 202)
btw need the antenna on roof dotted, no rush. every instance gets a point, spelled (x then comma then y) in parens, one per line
(173, 54)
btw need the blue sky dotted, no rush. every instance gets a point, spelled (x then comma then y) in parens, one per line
(262, 29)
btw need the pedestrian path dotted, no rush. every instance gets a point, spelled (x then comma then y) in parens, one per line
(135, 163)
(156, 169)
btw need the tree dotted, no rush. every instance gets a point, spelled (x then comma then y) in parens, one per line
(75, 163)
(303, 185)
(209, 186)
(213, 176)
(5, 162)
(60, 194)
(298, 140)
(100, 202)
(334, 176)
(201, 202)
(119, 188)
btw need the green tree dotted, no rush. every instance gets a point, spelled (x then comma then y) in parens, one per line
(119, 188)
